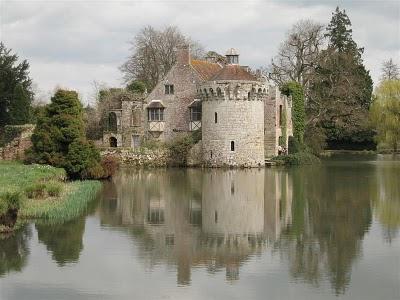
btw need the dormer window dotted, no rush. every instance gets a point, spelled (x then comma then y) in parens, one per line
(155, 111)
(169, 89)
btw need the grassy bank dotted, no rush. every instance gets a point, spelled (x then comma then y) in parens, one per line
(41, 192)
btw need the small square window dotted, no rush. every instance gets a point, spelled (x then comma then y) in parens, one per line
(169, 89)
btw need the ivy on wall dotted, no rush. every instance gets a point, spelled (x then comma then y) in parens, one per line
(295, 90)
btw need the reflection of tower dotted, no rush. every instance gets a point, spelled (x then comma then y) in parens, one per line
(233, 202)
(278, 202)
(233, 215)
(215, 218)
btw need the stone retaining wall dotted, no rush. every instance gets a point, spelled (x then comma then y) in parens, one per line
(15, 150)
(142, 158)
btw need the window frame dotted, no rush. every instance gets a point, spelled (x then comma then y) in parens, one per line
(169, 89)
(155, 114)
(195, 111)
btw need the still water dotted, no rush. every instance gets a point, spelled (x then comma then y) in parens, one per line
(323, 232)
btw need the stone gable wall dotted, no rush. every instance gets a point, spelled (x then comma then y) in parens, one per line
(15, 150)
(176, 114)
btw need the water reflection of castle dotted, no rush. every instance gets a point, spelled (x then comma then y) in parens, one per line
(214, 218)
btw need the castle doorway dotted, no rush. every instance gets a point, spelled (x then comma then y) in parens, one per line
(113, 142)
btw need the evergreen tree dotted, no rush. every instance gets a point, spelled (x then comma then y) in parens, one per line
(12, 75)
(59, 138)
(339, 33)
(136, 86)
(20, 107)
(341, 89)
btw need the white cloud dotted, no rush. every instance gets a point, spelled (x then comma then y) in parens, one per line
(73, 43)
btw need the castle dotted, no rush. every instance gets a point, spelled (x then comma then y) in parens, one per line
(243, 118)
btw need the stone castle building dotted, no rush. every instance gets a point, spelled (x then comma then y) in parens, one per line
(243, 118)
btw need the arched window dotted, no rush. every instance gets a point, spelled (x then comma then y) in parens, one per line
(215, 117)
(232, 146)
(112, 121)
(248, 95)
(113, 142)
(264, 91)
(259, 91)
(211, 92)
(219, 92)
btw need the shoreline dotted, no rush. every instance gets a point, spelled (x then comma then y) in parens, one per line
(41, 193)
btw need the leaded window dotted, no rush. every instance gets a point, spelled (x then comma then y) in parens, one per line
(156, 114)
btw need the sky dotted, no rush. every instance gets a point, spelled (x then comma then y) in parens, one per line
(72, 44)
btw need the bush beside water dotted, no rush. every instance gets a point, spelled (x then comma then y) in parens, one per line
(39, 191)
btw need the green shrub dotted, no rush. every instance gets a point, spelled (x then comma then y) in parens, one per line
(82, 160)
(151, 144)
(54, 188)
(59, 138)
(300, 158)
(36, 190)
(179, 149)
(10, 200)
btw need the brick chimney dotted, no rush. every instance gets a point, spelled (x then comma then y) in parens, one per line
(183, 55)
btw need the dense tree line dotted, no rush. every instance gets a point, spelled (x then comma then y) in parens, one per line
(338, 88)
(16, 93)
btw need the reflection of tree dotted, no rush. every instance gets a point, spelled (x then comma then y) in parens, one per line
(388, 198)
(326, 233)
(14, 251)
(63, 240)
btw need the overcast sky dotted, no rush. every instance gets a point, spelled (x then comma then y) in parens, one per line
(74, 43)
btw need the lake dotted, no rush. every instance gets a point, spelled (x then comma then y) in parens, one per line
(329, 231)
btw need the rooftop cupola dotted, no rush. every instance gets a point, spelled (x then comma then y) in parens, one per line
(232, 56)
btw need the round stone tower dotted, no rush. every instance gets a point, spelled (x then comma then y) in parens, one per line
(233, 116)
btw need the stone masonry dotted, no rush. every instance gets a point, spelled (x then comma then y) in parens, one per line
(241, 114)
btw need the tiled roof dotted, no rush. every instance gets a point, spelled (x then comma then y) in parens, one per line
(205, 69)
(233, 72)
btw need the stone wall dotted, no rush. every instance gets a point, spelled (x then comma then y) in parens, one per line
(238, 121)
(143, 158)
(130, 115)
(273, 130)
(15, 150)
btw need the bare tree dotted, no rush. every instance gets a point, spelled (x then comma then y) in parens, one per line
(390, 70)
(298, 53)
(154, 53)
